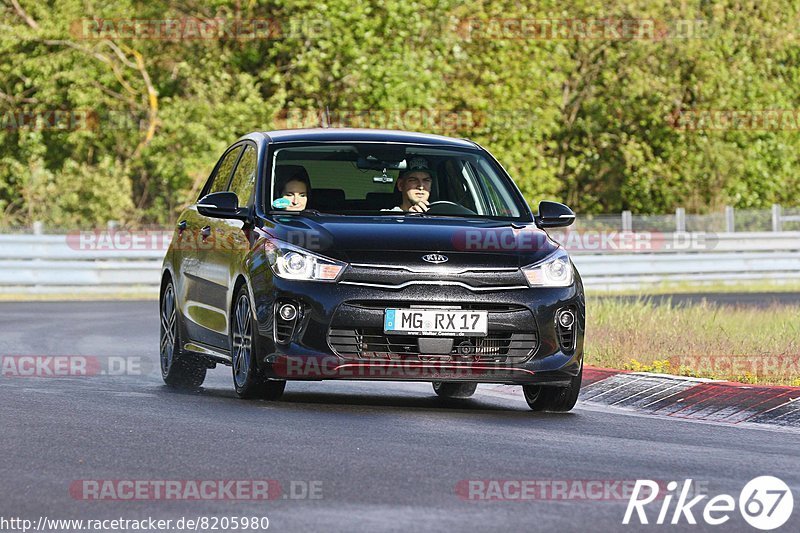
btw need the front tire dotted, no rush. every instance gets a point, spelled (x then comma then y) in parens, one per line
(556, 399)
(248, 380)
(178, 369)
(454, 391)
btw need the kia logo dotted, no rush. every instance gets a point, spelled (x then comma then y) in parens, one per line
(435, 258)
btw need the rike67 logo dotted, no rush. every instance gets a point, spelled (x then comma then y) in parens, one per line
(765, 503)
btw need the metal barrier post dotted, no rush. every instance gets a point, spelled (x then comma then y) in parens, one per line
(776, 217)
(627, 221)
(680, 220)
(729, 219)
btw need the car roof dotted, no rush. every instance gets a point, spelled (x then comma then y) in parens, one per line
(364, 135)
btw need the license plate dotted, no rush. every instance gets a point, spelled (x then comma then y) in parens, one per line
(436, 322)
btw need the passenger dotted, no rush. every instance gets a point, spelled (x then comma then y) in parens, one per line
(414, 185)
(293, 185)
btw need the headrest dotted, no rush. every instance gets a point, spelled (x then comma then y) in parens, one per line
(286, 173)
(326, 199)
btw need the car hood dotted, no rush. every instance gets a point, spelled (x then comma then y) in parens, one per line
(404, 240)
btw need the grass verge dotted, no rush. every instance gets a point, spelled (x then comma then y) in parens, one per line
(743, 344)
(700, 288)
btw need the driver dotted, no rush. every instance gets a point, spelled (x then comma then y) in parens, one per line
(414, 185)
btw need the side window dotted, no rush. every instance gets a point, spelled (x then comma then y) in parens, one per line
(244, 178)
(219, 181)
(499, 198)
(456, 185)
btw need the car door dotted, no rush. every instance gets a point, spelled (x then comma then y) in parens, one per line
(205, 284)
(231, 240)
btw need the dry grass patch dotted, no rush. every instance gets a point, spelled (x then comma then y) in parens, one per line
(743, 344)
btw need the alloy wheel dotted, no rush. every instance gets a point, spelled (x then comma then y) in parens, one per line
(242, 341)
(168, 329)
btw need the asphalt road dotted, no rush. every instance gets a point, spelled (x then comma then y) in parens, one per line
(377, 456)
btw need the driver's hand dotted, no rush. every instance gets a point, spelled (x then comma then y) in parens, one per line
(420, 207)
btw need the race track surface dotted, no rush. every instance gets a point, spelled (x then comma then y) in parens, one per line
(378, 456)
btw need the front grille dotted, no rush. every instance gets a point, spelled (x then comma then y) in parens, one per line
(356, 332)
(373, 343)
(398, 276)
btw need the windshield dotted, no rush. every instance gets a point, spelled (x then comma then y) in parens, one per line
(390, 179)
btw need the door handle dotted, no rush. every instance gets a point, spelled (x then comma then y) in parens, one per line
(205, 232)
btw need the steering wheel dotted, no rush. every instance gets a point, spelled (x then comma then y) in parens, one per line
(443, 207)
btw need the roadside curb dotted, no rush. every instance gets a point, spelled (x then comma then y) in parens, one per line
(687, 398)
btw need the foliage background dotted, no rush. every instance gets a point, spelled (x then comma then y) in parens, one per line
(586, 121)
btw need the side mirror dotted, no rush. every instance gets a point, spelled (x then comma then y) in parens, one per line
(553, 215)
(222, 205)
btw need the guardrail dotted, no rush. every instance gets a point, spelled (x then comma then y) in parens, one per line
(61, 263)
(651, 259)
(778, 218)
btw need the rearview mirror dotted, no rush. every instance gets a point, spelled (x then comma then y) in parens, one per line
(553, 215)
(373, 163)
(222, 205)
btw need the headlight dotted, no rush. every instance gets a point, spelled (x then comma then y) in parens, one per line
(292, 262)
(554, 271)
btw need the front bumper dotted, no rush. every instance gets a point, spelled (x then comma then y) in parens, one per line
(520, 316)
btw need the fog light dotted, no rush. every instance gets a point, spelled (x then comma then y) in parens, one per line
(287, 312)
(566, 319)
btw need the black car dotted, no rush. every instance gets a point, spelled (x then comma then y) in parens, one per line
(376, 255)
